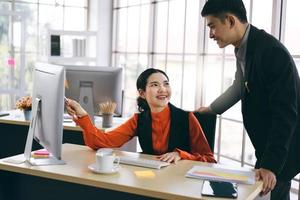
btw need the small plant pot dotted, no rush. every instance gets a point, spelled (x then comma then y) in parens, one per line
(107, 120)
(27, 115)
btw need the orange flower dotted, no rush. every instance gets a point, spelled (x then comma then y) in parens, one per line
(24, 103)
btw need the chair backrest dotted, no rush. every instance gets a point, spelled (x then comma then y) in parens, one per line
(208, 124)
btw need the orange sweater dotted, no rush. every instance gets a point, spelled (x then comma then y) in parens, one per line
(96, 138)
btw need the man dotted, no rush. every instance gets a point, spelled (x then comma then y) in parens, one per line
(267, 83)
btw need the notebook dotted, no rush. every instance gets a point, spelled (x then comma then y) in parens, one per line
(222, 173)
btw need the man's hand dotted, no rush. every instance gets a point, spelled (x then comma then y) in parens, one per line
(204, 110)
(170, 157)
(268, 178)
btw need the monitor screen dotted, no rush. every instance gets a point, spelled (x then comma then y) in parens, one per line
(46, 125)
(93, 85)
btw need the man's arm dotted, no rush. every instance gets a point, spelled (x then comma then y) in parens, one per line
(230, 97)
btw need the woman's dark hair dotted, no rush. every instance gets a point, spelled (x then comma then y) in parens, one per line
(219, 8)
(141, 83)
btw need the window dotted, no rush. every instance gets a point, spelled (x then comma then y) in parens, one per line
(171, 35)
(290, 38)
(160, 34)
(11, 59)
(40, 15)
(292, 28)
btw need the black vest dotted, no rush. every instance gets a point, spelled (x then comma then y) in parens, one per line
(179, 130)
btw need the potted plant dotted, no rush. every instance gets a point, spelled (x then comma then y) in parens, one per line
(25, 104)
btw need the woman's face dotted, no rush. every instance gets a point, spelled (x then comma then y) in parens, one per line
(157, 92)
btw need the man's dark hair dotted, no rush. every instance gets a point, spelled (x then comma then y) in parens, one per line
(219, 9)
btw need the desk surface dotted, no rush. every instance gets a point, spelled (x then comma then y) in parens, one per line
(168, 183)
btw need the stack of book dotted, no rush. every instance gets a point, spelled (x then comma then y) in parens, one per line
(42, 153)
(55, 45)
(222, 173)
(79, 47)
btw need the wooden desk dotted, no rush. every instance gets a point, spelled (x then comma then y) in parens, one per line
(168, 183)
(14, 129)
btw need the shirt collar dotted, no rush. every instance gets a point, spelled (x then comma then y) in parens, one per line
(162, 114)
(240, 52)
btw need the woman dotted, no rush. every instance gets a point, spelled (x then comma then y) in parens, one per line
(162, 128)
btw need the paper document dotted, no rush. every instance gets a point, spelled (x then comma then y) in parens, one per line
(221, 174)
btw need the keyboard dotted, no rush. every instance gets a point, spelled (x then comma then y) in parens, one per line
(154, 164)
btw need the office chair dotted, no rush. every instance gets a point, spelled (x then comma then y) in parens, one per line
(208, 124)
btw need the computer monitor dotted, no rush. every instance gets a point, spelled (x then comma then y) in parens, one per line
(46, 125)
(93, 85)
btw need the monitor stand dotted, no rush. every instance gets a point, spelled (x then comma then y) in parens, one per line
(28, 147)
(86, 98)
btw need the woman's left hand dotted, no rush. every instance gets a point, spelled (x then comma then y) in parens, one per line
(170, 157)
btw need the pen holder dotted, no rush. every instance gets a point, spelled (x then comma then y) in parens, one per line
(107, 120)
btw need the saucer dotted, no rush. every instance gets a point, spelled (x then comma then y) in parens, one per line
(110, 171)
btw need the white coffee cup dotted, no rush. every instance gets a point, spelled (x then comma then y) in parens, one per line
(106, 163)
(106, 151)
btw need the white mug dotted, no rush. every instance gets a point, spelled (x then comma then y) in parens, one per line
(106, 163)
(106, 151)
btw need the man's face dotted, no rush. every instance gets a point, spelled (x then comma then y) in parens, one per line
(219, 31)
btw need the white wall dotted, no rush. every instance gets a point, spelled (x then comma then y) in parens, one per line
(100, 20)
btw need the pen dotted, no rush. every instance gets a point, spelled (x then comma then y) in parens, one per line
(247, 88)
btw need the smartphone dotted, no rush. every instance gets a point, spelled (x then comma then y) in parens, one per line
(219, 189)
